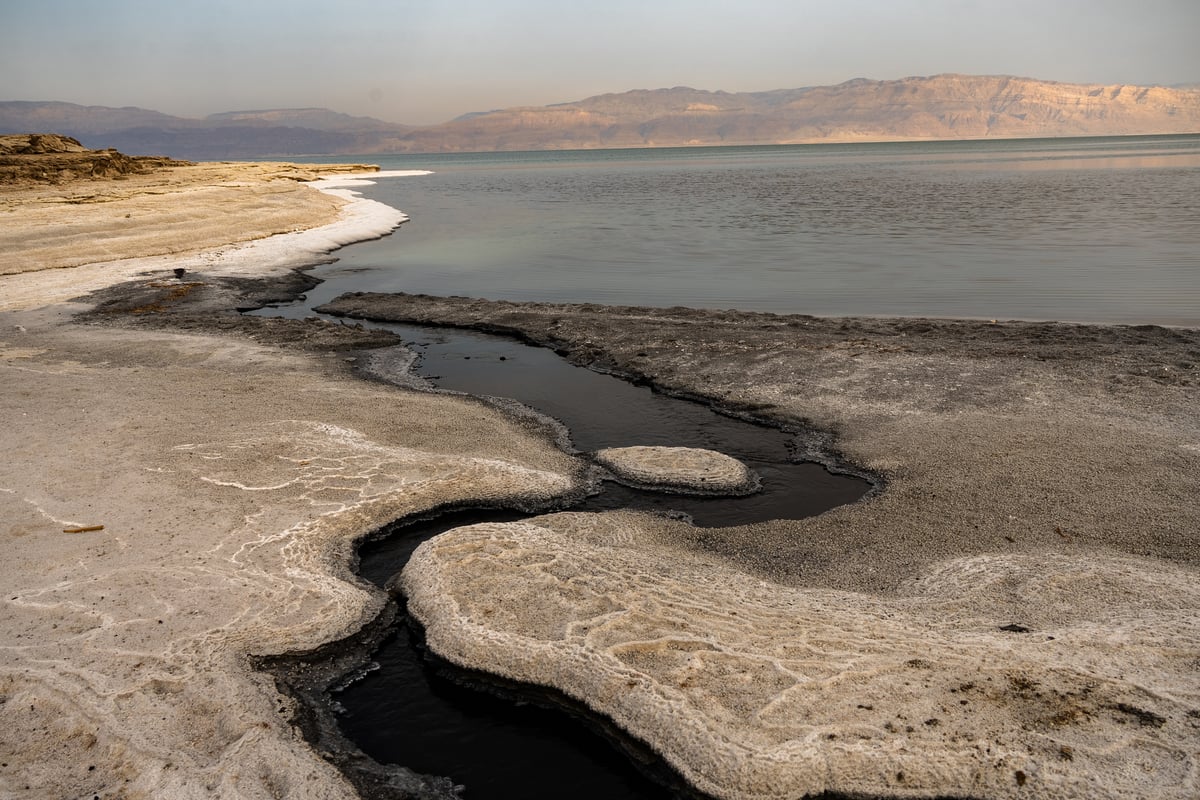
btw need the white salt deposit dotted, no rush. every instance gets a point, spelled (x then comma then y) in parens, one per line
(756, 689)
(688, 468)
(359, 220)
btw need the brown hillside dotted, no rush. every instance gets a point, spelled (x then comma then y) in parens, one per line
(939, 107)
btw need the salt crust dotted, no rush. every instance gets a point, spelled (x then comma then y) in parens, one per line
(1008, 449)
(689, 468)
(359, 220)
(83, 653)
(228, 478)
(753, 689)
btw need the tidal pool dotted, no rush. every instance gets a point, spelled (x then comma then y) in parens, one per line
(500, 740)
(428, 716)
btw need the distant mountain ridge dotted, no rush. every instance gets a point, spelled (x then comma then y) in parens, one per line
(937, 107)
(320, 119)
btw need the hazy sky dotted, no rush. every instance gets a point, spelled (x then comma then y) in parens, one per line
(428, 61)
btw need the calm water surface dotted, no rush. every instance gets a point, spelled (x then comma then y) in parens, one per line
(1097, 229)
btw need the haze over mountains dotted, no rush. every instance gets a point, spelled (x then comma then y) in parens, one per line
(937, 107)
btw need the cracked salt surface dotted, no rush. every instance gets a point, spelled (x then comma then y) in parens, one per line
(407, 713)
(1016, 614)
(125, 656)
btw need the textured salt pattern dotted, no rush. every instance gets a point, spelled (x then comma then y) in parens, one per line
(752, 688)
(689, 468)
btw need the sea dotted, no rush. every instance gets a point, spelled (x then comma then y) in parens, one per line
(1098, 229)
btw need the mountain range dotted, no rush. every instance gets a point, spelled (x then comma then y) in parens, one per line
(937, 107)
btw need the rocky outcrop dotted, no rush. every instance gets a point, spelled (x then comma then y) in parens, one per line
(53, 158)
(38, 144)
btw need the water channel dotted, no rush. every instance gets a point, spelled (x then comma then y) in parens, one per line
(501, 741)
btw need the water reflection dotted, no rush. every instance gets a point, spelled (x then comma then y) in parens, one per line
(1095, 230)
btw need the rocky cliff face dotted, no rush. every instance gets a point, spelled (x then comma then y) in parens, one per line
(938, 107)
(51, 158)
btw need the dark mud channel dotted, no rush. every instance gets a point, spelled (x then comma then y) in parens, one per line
(408, 710)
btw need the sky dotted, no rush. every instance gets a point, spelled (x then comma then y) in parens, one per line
(429, 61)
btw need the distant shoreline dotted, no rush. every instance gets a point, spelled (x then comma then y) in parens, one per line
(307, 158)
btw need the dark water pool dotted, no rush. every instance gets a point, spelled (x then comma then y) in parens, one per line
(504, 741)
(603, 411)
(420, 713)
(499, 740)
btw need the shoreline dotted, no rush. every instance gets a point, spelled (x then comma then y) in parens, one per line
(283, 459)
(343, 219)
(223, 481)
(1029, 566)
(965, 365)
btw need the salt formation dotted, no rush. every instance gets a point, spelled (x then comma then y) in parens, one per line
(756, 689)
(690, 469)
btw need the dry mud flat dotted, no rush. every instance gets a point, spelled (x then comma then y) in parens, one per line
(1016, 614)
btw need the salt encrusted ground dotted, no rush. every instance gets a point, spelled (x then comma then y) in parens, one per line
(689, 469)
(1015, 614)
(216, 485)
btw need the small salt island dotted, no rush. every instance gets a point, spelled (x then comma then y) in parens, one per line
(687, 469)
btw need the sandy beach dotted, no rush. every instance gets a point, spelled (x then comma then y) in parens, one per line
(1014, 614)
